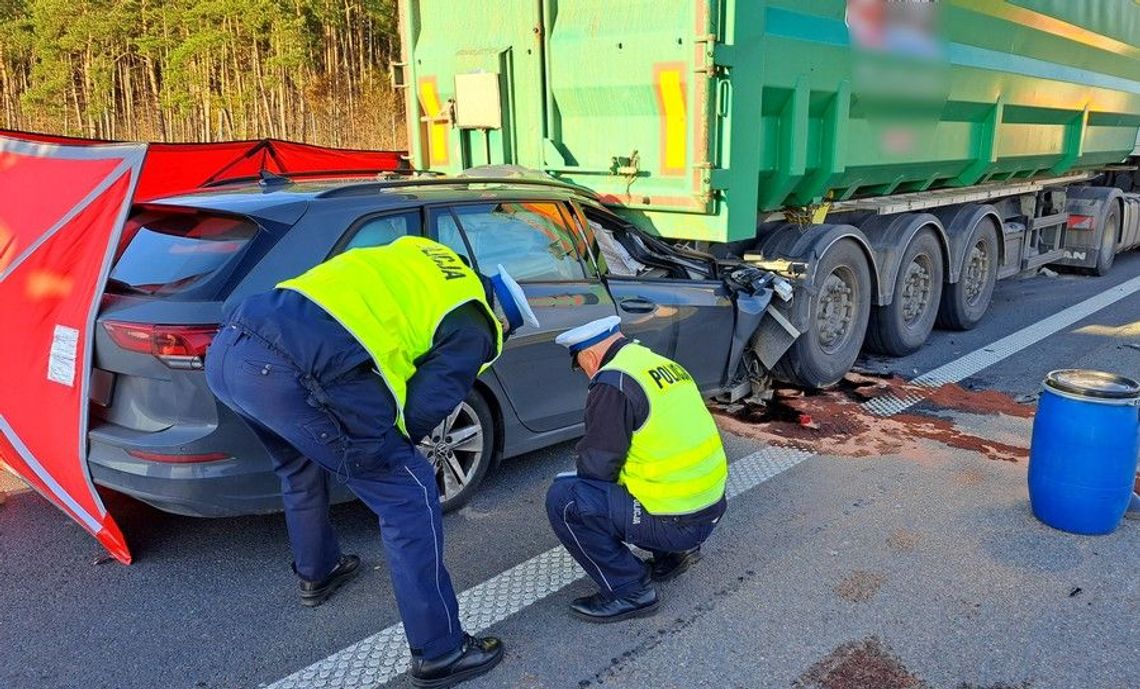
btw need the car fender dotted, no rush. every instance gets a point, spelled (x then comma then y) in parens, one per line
(751, 312)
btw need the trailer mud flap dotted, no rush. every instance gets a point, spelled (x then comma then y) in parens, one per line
(774, 337)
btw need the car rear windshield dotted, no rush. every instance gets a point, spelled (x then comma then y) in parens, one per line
(178, 254)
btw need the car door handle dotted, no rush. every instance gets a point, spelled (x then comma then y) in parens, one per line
(637, 305)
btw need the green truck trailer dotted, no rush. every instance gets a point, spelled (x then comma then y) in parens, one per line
(890, 159)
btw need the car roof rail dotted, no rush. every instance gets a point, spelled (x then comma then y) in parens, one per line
(384, 185)
(270, 178)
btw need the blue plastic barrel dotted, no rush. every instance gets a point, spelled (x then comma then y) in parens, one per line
(1082, 460)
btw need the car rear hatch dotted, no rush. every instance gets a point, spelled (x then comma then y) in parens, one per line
(161, 309)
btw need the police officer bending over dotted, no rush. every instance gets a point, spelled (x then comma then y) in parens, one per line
(339, 372)
(651, 472)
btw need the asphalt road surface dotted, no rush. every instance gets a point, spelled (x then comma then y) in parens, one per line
(881, 550)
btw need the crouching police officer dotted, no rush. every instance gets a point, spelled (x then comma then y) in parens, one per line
(340, 371)
(651, 472)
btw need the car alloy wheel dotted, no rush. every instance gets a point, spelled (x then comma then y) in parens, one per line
(456, 449)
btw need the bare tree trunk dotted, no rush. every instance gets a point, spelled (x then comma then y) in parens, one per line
(7, 92)
(205, 95)
(151, 70)
(132, 124)
(75, 104)
(86, 74)
(268, 110)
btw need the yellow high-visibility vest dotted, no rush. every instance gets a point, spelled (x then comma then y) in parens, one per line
(676, 462)
(392, 299)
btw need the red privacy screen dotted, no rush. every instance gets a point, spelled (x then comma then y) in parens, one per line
(63, 203)
(61, 211)
(174, 168)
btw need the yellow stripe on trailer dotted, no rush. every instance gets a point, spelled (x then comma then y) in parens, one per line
(670, 82)
(436, 121)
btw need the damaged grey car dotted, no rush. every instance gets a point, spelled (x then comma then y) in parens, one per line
(159, 435)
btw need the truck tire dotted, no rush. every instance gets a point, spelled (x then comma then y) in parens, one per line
(836, 316)
(902, 326)
(966, 301)
(1108, 233)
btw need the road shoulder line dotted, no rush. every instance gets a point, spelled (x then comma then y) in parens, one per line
(970, 364)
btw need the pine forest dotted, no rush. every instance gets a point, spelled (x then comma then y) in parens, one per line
(202, 70)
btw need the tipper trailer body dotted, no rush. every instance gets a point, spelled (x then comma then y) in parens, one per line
(892, 160)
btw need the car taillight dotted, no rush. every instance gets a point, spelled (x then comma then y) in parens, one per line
(1081, 222)
(177, 346)
(178, 459)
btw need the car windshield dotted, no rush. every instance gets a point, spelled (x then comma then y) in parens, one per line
(172, 253)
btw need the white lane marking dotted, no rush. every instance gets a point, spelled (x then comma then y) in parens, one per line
(384, 655)
(970, 364)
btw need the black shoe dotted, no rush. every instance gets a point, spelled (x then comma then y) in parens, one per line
(474, 657)
(667, 566)
(313, 593)
(598, 608)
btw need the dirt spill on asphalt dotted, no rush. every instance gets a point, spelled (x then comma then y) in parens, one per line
(834, 422)
(866, 664)
(860, 586)
(903, 540)
(969, 476)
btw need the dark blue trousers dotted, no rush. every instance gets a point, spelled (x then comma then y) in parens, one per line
(317, 429)
(595, 519)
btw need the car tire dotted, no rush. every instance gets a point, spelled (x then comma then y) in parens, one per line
(461, 449)
(1108, 233)
(966, 301)
(902, 326)
(825, 352)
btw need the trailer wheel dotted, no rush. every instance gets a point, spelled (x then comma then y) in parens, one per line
(836, 315)
(1108, 234)
(902, 326)
(966, 301)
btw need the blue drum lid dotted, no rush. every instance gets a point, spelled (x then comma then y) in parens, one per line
(1096, 384)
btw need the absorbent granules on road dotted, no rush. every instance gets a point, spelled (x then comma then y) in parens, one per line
(860, 665)
(839, 423)
(860, 586)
